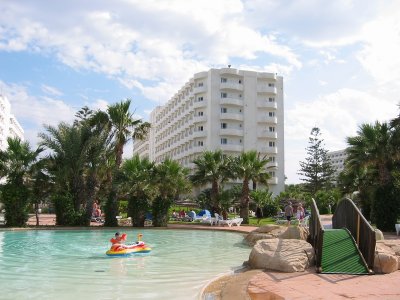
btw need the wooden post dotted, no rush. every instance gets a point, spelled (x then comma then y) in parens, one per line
(358, 230)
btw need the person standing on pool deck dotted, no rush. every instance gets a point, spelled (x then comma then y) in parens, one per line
(288, 212)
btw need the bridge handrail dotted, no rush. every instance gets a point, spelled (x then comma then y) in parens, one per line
(316, 234)
(349, 216)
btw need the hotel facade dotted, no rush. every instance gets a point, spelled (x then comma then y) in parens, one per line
(9, 126)
(221, 109)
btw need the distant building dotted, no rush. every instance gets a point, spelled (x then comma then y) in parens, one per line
(221, 109)
(337, 159)
(9, 126)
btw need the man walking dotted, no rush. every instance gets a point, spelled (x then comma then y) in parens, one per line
(288, 212)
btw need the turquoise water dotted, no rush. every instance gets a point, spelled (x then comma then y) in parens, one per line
(73, 265)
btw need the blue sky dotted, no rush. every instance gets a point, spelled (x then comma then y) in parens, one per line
(339, 59)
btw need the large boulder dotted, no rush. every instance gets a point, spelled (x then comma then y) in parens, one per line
(285, 255)
(276, 231)
(385, 260)
(379, 235)
(264, 232)
(387, 256)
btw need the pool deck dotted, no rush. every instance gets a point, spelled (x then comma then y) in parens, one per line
(264, 285)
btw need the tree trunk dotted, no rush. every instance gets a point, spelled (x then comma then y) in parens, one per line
(111, 209)
(137, 208)
(37, 213)
(244, 202)
(160, 212)
(91, 189)
(214, 198)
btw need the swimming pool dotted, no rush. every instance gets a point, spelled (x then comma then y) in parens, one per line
(47, 264)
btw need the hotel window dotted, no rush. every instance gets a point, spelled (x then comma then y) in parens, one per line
(223, 80)
(200, 84)
(200, 113)
(272, 158)
(224, 95)
(271, 129)
(271, 144)
(200, 128)
(200, 143)
(224, 110)
(272, 173)
(224, 141)
(271, 99)
(240, 81)
(271, 84)
(199, 99)
(271, 114)
(224, 125)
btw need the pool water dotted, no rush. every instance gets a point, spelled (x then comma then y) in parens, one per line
(72, 264)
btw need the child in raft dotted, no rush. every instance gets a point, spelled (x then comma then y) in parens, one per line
(118, 241)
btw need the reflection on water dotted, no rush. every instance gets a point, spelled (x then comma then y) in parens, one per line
(72, 264)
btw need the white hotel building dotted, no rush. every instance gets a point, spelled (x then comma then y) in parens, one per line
(227, 109)
(337, 159)
(9, 126)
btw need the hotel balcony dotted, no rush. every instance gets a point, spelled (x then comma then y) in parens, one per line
(231, 131)
(231, 101)
(267, 119)
(231, 147)
(198, 134)
(200, 89)
(231, 86)
(267, 134)
(266, 89)
(229, 71)
(199, 104)
(228, 116)
(267, 150)
(272, 164)
(273, 180)
(267, 104)
(198, 119)
(267, 76)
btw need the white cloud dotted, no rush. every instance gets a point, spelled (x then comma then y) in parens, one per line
(338, 115)
(50, 90)
(116, 39)
(380, 54)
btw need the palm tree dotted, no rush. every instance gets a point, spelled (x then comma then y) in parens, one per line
(374, 150)
(16, 164)
(171, 180)
(249, 166)
(211, 167)
(68, 159)
(135, 178)
(121, 127)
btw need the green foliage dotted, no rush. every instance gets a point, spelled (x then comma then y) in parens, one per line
(16, 165)
(385, 207)
(316, 170)
(211, 167)
(324, 199)
(15, 200)
(65, 212)
(249, 166)
(170, 180)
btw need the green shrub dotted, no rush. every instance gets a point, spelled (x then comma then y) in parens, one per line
(15, 200)
(385, 207)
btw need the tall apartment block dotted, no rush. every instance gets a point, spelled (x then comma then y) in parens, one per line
(9, 126)
(337, 159)
(227, 109)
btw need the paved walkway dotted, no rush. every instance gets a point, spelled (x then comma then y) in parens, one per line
(304, 285)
